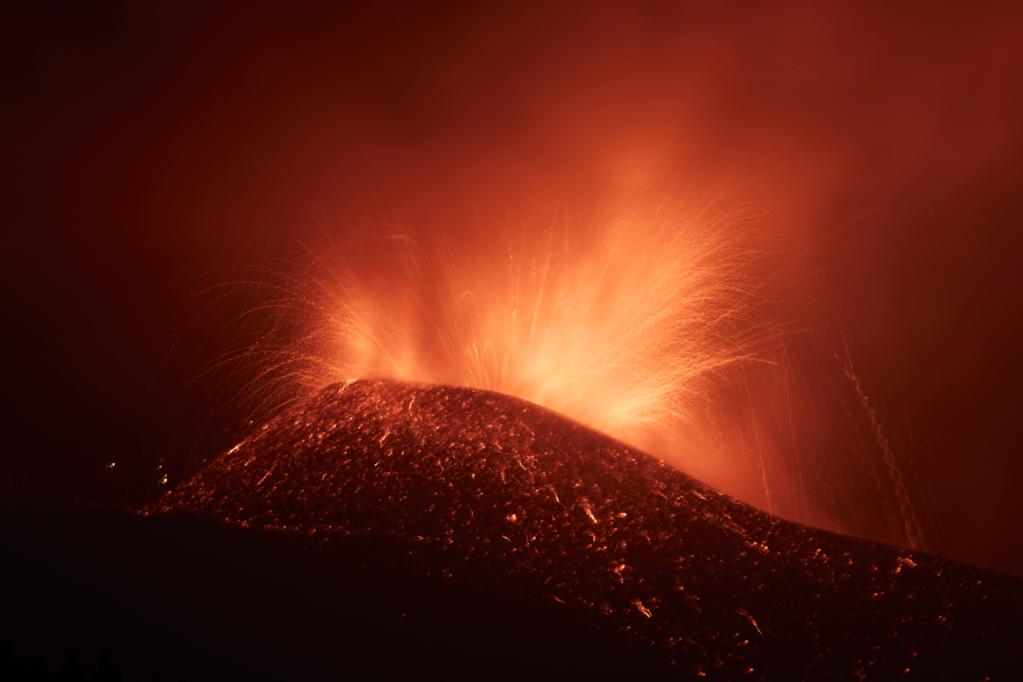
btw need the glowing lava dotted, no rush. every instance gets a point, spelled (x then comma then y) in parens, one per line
(629, 327)
(650, 323)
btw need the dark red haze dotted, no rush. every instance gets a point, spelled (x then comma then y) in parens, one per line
(873, 152)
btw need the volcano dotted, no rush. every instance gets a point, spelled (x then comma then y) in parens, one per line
(438, 531)
(482, 489)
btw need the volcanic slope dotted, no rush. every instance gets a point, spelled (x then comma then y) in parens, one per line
(481, 487)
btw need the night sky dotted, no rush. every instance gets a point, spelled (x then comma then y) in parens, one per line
(157, 151)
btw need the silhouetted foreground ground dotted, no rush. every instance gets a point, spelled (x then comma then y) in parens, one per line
(185, 599)
(443, 532)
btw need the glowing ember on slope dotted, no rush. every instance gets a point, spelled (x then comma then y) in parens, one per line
(477, 488)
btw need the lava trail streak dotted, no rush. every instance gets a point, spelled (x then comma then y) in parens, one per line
(478, 486)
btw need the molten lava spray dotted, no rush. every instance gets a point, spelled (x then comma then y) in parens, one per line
(631, 325)
(649, 322)
(628, 328)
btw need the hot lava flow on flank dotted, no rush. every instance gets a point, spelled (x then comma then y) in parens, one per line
(482, 491)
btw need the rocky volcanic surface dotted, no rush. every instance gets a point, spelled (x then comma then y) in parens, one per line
(481, 489)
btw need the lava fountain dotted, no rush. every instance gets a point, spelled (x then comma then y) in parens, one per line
(648, 322)
(626, 331)
(634, 327)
